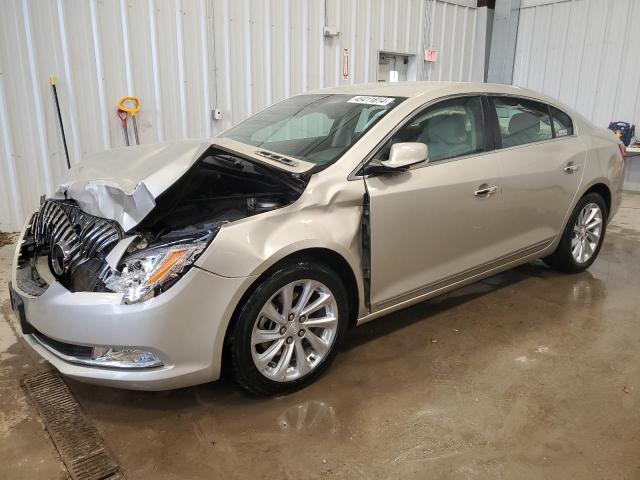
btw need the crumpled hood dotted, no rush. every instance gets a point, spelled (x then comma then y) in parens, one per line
(122, 184)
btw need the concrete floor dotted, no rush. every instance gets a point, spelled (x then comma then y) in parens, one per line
(529, 374)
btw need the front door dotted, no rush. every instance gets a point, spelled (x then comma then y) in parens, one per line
(439, 219)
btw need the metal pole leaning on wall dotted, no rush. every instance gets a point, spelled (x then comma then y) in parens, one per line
(52, 80)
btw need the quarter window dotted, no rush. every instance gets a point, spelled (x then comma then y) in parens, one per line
(450, 129)
(522, 121)
(562, 124)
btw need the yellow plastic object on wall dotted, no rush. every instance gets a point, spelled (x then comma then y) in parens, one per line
(129, 104)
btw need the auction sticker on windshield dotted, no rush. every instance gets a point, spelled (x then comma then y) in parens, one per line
(370, 100)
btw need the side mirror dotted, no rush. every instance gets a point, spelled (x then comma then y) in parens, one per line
(403, 155)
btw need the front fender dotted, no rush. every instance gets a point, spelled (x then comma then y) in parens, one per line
(326, 216)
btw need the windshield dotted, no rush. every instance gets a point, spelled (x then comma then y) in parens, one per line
(314, 128)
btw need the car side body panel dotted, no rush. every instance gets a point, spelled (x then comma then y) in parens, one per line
(427, 224)
(604, 165)
(538, 193)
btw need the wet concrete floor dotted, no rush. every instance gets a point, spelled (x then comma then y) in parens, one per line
(528, 374)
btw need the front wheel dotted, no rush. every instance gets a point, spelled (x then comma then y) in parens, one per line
(289, 329)
(583, 236)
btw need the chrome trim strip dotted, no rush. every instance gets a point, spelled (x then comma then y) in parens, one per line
(540, 142)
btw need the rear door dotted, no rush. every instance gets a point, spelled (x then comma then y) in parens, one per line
(542, 163)
(438, 219)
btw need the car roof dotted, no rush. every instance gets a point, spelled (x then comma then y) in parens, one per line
(428, 89)
(424, 91)
(390, 89)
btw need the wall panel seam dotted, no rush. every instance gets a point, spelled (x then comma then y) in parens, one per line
(37, 101)
(9, 155)
(97, 48)
(181, 74)
(71, 98)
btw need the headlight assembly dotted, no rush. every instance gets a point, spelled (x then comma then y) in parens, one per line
(144, 274)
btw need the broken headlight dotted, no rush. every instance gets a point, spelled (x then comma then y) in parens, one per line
(146, 273)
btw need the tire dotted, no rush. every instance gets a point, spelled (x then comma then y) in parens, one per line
(564, 259)
(290, 358)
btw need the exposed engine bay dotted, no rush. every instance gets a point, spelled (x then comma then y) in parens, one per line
(221, 186)
(89, 253)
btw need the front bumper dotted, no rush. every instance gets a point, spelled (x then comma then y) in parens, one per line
(185, 327)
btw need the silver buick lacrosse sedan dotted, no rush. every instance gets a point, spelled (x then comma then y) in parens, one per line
(156, 266)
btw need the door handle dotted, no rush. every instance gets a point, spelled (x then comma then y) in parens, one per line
(485, 190)
(571, 168)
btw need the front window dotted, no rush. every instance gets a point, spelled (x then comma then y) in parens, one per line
(315, 128)
(451, 128)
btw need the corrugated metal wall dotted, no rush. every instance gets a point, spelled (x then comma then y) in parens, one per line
(582, 52)
(183, 58)
(453, 31)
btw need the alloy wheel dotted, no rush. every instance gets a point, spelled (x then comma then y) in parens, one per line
(294, 330)
(586, 233)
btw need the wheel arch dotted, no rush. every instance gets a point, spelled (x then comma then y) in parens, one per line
(597, 186)
(326, 256)
(603, 190)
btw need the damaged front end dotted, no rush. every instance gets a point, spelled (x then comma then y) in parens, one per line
(85, 252)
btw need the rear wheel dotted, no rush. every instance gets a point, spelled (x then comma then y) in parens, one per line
(583, 236)
(289, 330)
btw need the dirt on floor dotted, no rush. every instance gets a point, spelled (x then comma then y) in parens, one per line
(7, 238)
(529, 374)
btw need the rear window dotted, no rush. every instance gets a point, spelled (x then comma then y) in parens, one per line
(522, 121)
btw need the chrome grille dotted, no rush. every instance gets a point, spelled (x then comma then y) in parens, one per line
(83, 235)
